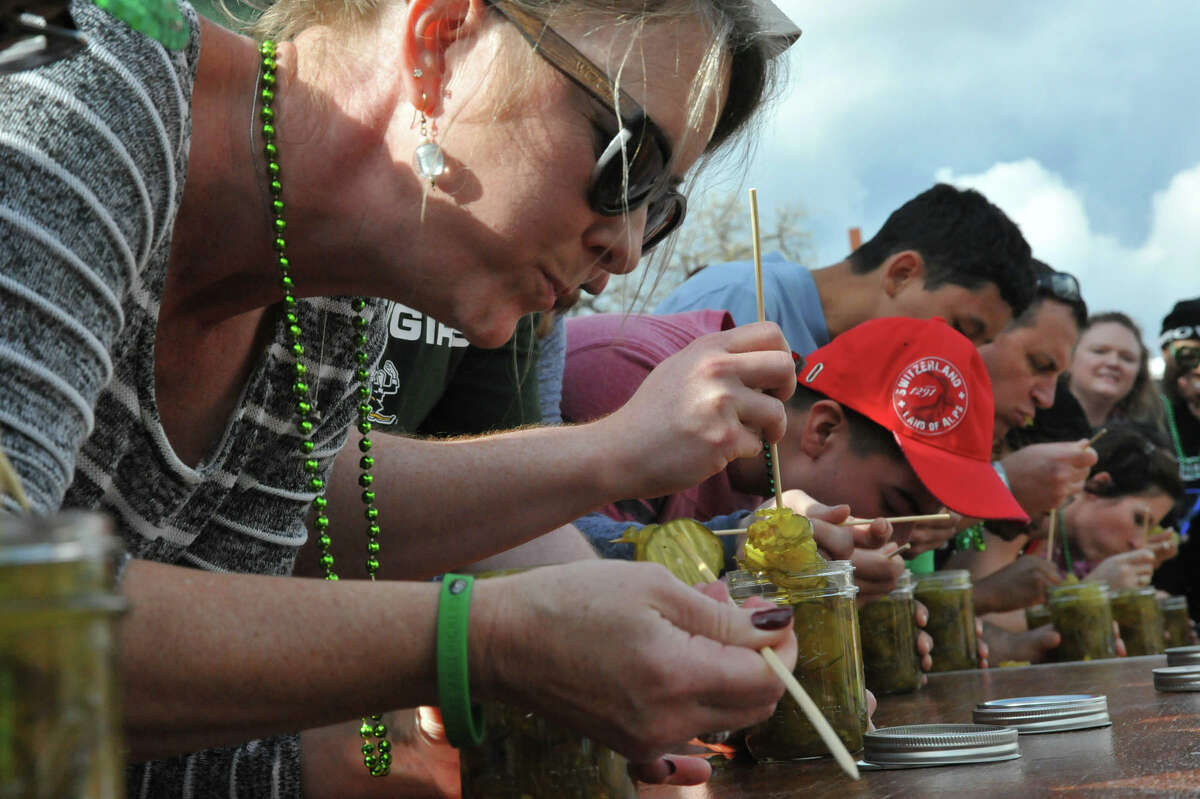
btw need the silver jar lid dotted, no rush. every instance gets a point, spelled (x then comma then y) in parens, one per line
(1177, 678)
(918, 745)
(1183, 656)
(1030, 714)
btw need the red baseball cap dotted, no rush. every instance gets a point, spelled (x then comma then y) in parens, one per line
(926, 383)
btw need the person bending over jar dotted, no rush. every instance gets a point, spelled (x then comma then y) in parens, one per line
(1128, 493)
(182, 238)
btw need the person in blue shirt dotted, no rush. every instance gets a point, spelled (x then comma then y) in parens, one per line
(946, 253)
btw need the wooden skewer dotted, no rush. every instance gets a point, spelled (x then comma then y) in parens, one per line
(852, 521)
(1054, 512)
(10, 482)
(762, 317)
(811, 711)
(901, 550)
(921, 517)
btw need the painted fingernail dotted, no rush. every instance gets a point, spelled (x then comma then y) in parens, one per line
(771, 618)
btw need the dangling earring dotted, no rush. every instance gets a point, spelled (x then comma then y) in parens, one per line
(428, 159)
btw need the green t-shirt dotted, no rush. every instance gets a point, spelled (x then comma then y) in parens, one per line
(432, 381)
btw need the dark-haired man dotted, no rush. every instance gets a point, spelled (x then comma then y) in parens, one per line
(945, 253)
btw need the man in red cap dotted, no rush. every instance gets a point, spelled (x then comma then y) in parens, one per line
(893, 417)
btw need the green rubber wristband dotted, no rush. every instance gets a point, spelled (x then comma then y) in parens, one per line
(463, 720)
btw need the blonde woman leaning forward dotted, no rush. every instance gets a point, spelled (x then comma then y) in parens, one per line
(181, 234)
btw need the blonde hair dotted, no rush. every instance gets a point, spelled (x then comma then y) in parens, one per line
(737, 40)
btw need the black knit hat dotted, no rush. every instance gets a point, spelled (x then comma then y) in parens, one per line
(1181, 323)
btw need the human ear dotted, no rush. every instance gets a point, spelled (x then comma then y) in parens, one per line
(430, 27)
(902, 269)
(826, 422)
(1099, 483)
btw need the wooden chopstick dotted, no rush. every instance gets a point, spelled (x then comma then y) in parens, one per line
(853, 521)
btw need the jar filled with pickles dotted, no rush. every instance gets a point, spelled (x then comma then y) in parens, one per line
(60, 725)
(950, 599)
(1177, 624)
(829, 667)
(1082, 617)
(523, 755)
(1137, 614)
(1037, 616)
(889, 641)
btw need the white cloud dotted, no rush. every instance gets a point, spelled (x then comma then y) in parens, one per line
(1144, 280)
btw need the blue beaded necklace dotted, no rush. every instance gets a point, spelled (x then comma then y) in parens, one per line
(377, 756)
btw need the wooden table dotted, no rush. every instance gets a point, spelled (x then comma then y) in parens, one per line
(1151, 749)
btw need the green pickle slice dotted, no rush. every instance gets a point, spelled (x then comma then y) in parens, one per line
(665, 544)
(780, 541)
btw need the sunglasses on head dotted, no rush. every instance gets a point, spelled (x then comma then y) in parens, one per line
(1185, 356)
(1061, 286)
(633, 157)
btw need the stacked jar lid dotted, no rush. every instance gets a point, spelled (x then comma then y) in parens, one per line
(992, 738)
(1182, 672)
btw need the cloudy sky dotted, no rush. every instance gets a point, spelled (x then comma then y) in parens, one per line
(1080, 118)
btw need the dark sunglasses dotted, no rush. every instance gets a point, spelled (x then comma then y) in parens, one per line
(1185, 356)
(632, 166)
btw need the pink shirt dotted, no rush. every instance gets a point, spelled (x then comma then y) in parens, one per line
(608, 357)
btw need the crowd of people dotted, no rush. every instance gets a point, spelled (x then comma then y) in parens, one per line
(221, 253)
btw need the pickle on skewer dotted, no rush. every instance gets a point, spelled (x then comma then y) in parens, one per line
(780, 543)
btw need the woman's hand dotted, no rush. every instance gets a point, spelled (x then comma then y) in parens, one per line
(1164, 544)
(710, 403)
(627, 654)
(1126, 570)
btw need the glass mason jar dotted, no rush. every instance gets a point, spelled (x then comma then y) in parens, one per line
(1082, 616)
(524, 756)
(889, 641)
(950, 600)
(1177, 624)
(60, 725)
(1137, 614)
(1037, 616)
(829, 666)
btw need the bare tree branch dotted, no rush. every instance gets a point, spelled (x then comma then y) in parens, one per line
(717, 230)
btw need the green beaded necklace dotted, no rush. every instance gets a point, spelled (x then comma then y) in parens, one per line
(377, 757)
